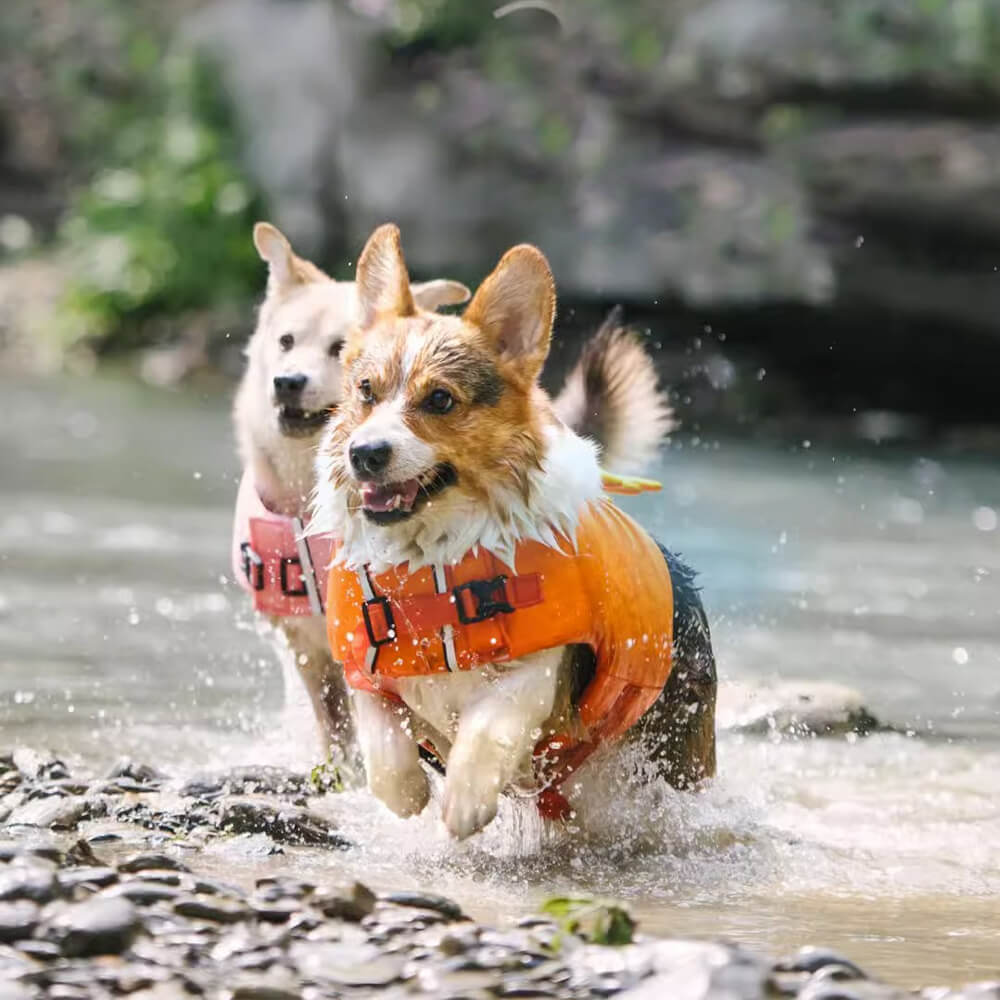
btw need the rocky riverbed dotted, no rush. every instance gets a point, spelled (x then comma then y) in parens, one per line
(105, 891)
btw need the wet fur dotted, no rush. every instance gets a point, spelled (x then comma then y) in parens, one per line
(521, 473)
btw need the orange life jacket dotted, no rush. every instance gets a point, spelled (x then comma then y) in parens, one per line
(611, 592)
(282, 567)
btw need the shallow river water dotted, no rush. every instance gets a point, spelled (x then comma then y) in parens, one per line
(119, 634)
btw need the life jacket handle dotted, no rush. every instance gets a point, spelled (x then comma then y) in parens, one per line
(628, 485)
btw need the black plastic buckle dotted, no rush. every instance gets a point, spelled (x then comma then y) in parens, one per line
(390, 624)
(302, 589)
(253, 566)
(486, 605)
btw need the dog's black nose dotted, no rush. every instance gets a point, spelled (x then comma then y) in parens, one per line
(370, 459)
(288, 387)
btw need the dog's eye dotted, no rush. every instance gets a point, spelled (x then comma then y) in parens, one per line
(287, 341)
(335, 348)
(365, 388)
(439, 401)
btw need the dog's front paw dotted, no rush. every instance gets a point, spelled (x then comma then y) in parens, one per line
(470, 803)
(405, 794)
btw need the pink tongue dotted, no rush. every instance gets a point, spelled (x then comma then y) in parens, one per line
(379, 498)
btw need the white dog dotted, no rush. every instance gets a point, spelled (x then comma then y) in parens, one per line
(291, 386)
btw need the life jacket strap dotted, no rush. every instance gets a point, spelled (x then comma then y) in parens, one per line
(466, 604)
(285, 569)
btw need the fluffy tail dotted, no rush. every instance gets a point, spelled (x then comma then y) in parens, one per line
(612, 395)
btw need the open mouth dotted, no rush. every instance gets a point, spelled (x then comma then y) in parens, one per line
(294, 422)
(391, 502)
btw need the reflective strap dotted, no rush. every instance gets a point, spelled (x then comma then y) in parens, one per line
(447, 631)
(368, 593)
(306, 565)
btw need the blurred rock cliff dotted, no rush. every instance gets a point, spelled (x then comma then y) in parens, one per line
(820, 179)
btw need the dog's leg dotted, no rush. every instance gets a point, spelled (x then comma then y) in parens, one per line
(309, 669)
(390, 754)
(496, 734)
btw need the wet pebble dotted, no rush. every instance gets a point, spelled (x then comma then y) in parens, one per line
(99, 926)
(125, 767)
(36, 765)
(18, 920)
(289, 825)
(352, 902)
(247, 781)
(44, 951)
(811, 959)
(17, 991)
(72, 924)
(280, 887)
(213, 887)
(217, 910)
(89, 876)
(143, 893)
(142, 862)
(56, 813)
(28, 882)
(427, 901)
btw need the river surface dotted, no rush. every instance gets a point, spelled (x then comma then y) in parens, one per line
(120, 634)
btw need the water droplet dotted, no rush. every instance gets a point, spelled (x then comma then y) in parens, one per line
(960, 655)
(985, 518)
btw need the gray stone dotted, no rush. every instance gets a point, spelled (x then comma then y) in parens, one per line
(213, 887)
(376, 972)
(811, 959)
(427, 901)
(798, 708)
(287, 824)
(140, 862)
(247, 781)
(36, 765)
(45, 951)
(99, 926)
(17, 920)
(17, 991)
(352, 902)
(28, 882)
(57, 813)
(97, 876)
(128, 768)
(276, 986)
(143, 893)
(9, 849)
(218, 910)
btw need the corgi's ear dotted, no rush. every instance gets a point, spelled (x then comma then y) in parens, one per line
(382, 280)
(284, 267)
(441, 292)
(515, 307)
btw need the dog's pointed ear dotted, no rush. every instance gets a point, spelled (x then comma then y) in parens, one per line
(440, 292)
(284, 267)
(515, 307)
(382, 280)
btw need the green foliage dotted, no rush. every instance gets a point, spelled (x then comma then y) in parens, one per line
(326, 777)
(440, 24)
(162, 224)
(594, 921)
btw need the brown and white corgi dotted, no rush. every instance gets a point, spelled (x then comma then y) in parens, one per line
(445, 448)
(292, 385)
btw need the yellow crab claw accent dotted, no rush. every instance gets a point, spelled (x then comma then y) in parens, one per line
(628, 485)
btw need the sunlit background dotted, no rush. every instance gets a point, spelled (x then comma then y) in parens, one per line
(798, 204)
